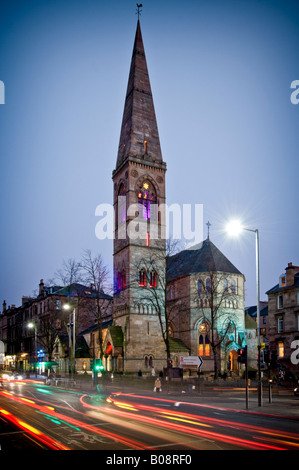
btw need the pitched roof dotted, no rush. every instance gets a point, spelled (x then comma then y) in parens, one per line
(252, 310)
(177, 345)
(116, 334)
(202, 258)
(278, 288)
(139, 119)
(76, 289)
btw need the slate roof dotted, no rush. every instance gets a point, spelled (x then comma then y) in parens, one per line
(80, 290)
(277, 288)
(252, 309)
(116, 334)
(177, 345)
(201, 258)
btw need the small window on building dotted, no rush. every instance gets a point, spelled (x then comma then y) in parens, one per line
(280, 301)
(233, 286)
(280, 327)
(225, 285)
(282, 281)
(280, 349)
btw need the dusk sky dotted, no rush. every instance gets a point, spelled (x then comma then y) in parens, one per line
(221, 74)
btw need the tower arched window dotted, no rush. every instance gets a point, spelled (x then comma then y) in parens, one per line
(120, 280)
(153, 279)
(142, 278)
(146, 197)
(200, 286)
(208, 284)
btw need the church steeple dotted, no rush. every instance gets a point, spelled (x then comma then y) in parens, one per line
(139, 131)
(139, 229)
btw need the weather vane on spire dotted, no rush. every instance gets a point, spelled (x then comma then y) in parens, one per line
(139, 6)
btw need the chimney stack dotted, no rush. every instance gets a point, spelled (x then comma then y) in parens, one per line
(41, 287)
(290, 273)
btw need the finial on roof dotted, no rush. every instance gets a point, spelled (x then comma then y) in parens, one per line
(138, 12)
(208, 225)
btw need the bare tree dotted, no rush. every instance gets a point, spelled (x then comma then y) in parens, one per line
(71, 272)
(97, 276)
(214, 298)
(49, 326)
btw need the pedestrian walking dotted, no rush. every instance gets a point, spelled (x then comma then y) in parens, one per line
(158, 385)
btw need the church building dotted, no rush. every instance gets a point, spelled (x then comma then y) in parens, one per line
(157, 316)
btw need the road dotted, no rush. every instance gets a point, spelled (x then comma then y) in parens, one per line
(38, 416)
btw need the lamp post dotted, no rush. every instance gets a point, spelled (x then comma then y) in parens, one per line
(71, 324)
(33, 325)
(234, 228)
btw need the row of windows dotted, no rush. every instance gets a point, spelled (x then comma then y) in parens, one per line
(206, 286)
(145, 279)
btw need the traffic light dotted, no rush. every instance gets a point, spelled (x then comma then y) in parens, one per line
(242, 355)
(97, 365)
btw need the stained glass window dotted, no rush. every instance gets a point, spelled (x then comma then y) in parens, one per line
(146, 196)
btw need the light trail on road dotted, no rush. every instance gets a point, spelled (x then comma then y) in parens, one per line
(135, 422)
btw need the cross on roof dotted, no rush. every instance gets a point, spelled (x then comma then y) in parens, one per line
(208, 225)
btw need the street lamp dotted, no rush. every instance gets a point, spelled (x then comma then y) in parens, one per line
(235, 228)
(33, 325)
(70, 325)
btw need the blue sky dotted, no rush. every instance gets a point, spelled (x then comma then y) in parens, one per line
(220, 73)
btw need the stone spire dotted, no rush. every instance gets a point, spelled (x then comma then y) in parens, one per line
(139, 135)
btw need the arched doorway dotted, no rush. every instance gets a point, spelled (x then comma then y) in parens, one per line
(232, 363)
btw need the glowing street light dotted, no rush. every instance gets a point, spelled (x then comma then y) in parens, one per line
(32, 325)
(70, 325)
(235, 228)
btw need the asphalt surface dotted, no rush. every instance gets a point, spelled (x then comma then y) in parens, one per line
(215, 394)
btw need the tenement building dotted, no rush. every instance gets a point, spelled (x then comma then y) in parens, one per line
(283, 320)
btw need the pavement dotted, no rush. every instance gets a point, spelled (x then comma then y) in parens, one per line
(222, 396)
